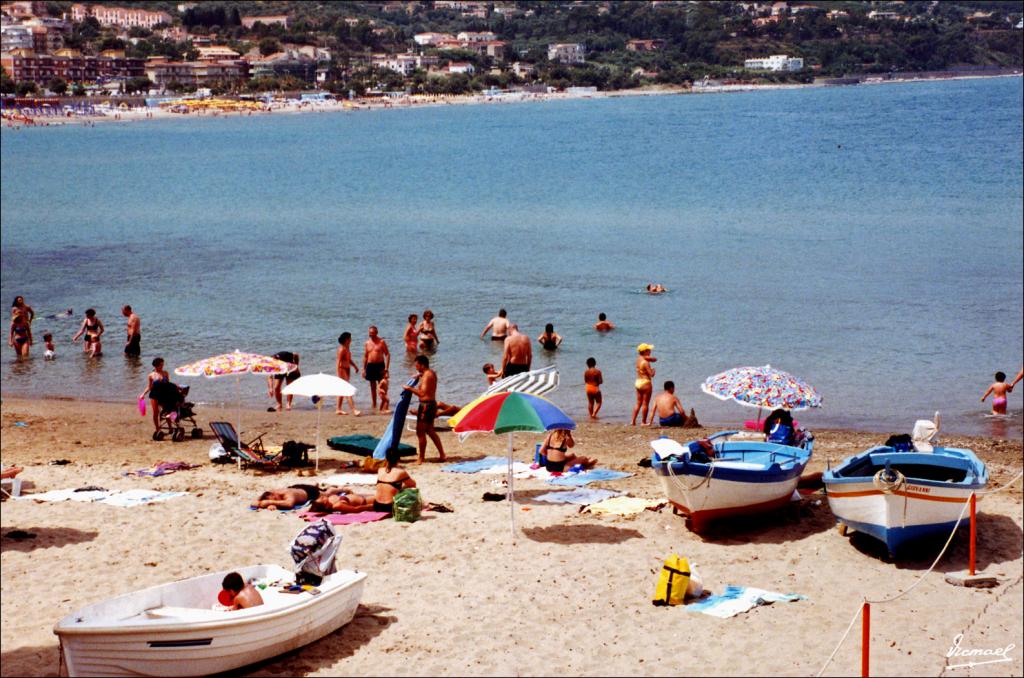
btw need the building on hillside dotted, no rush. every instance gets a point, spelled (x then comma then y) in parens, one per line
(46, 39)
(838, 14)
(403, 63)
(461, 67)
(217, 53)
(284, 64)
(270, 20)
(162, 71)
(763, 21)
(471, 36)
(645, 45)
(430, 39)
(523, 70)
(491, 48)
(567, 53)
(124, 17)
(25, 10)
(875, 15)
(174, 33)
(16, 36)
(776, 62)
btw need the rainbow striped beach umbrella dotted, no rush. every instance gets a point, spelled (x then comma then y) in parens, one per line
(507, 413)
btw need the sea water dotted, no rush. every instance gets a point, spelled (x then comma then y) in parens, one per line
(867, 239)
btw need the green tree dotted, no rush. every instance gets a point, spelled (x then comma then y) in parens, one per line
(25, 87)
(78, 89)
(133, 85)
(269, 46)
(7, 84)
(58, 86)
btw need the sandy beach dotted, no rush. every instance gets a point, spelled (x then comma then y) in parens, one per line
(452, 595)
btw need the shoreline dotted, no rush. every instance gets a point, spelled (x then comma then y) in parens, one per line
(428, 101)
(250, 411)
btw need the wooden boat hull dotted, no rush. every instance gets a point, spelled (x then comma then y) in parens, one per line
(918, 508)
(164, 631)
(731, 486)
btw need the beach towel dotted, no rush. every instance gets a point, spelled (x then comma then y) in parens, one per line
(623, 506)
(582, 497)
(593, 475)
(300, 507)
(67, 495)
(351, 479)
(475, 466)
(131, 498)
(517, 467)
(736, 599)
(162, 469)
(393, 433)
(346, 518)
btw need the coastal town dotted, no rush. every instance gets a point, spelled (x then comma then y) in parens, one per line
(61, 59)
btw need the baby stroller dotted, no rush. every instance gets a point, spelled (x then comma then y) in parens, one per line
(174, 411)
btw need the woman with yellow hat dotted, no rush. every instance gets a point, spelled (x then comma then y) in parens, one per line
(644, 384)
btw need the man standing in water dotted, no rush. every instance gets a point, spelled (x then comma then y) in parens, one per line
(344, 369)
(427, 412)
(376, 362)
(518, 353)
(133, 345)
(498, 327)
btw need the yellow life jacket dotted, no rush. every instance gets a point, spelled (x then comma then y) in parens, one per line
(672, 581)
(371, 464)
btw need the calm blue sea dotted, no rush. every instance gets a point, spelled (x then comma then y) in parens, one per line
(867, 239)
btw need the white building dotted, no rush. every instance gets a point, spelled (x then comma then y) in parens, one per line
(403, 63)
(469, 36)
(14, 36)
(776, 62)
(426, 39)
(567, 53)
(461, 67)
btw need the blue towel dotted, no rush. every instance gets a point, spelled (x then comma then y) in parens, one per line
(736, 599)
(393, 433)
(593, 475)
(583, 497)
(474, 466)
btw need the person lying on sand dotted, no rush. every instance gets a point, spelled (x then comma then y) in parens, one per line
(345, 500)
(294, 495)
(242, 594)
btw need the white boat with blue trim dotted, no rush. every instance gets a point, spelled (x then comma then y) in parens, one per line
(171, 630)
(740, 477)
(899, 497)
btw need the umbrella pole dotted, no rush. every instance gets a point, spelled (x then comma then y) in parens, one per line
(319, 406)
(238, 413)
(511, 491)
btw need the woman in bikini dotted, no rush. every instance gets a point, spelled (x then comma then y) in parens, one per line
(297, 495)
(19, 306)
(428, 333)
(555, 449)
(644, 385)
(550, 340)
(410, 335)
(20, 336)
(342, 500)
(93, 329)
(391, 479)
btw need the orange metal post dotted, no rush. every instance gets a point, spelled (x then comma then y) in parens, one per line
(865, 640)
(974, 530)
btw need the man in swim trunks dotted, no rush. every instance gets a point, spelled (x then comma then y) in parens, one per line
(498, 327)
(998, 389)
(667, 407)
(132, 346)
(276, 382)
(643, 384)
(376, 362)
(518, 353)
(426, 391)
(603, 324)
(344, 369)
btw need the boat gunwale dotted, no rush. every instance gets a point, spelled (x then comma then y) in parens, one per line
(964, 457)
(198, 626)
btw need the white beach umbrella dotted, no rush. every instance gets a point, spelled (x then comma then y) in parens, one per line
(320, 386)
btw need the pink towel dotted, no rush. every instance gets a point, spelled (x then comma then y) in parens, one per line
(346, 518)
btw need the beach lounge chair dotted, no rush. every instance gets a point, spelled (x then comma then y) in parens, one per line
(9, 478)
(248, 454)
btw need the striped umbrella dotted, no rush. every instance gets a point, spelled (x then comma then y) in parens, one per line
(535, 382)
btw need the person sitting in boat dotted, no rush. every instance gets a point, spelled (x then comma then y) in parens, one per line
(555, 450)
(779, 427)
(237, 594)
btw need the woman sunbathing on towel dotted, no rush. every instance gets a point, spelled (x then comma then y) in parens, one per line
(294, 495)
(344, 501)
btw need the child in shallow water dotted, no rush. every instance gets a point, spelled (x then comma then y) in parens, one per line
(51, 351)
(998, 389)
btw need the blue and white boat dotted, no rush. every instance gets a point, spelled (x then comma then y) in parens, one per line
(742, 476)
(898, 497)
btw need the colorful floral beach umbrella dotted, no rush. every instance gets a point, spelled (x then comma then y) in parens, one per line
(236, 363)
(507, 413)
(762, 387)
